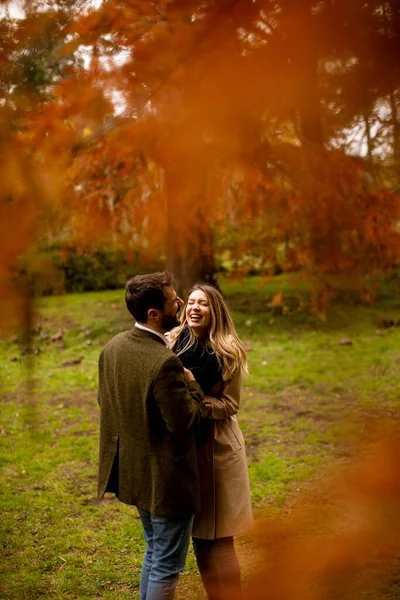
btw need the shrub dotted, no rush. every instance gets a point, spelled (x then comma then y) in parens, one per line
(53, 270)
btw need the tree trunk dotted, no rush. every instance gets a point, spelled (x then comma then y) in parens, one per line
(369, 138)
(393, 100)
(311, 129)
(191, 261)
(395, 129)
(190, 255)
(306, 61)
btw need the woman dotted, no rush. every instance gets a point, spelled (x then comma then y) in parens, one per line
(208, 345)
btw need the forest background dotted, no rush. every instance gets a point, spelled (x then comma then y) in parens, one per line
(233, 135)
(222, 140)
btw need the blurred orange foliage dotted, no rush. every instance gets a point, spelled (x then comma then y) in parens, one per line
(169, 126)
(341, 537)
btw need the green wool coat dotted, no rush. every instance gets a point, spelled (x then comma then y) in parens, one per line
(147, 417)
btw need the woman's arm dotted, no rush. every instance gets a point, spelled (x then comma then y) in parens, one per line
(227, 403)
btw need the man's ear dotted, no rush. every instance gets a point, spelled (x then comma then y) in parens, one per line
(153, 315)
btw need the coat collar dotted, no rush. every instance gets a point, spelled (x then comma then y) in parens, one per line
(144, 333)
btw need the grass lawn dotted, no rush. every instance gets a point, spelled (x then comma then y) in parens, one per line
(59, 542)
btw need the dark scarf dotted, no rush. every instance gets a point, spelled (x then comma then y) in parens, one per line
(201, 360)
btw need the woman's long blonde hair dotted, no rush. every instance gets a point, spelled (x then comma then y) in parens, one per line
(222, 335)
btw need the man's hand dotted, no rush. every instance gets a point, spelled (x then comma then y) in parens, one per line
(188, 375)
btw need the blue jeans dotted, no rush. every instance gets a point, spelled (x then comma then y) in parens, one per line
(167, 543)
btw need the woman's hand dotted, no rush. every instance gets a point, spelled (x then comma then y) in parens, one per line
(188, 375)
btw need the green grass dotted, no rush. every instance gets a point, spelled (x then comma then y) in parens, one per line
(58, 542)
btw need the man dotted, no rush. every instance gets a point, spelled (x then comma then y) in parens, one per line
(149, 407)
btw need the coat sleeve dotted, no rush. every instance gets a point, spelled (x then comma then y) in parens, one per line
(180, 404)
(100, 377)
(227, 403)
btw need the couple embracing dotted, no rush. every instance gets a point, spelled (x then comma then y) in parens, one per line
(170, 443)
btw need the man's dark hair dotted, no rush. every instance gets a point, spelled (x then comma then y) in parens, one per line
(146, 291)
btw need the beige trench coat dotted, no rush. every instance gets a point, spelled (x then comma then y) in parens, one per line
(224, 481)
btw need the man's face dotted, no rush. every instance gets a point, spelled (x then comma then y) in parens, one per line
(171, 309)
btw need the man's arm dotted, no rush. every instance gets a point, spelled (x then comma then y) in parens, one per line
(180, 403)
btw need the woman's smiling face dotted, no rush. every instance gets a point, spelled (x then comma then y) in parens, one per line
(198, 313)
